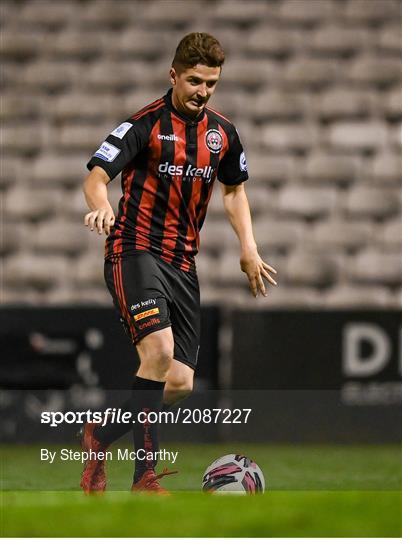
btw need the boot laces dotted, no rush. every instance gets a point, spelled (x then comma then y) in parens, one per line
(153, 480)
(165, 472)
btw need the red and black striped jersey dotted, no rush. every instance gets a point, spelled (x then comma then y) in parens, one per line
(168, 163)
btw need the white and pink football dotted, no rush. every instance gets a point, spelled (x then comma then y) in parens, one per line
(234, 473)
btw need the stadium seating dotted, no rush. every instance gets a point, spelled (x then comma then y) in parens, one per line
(271, 168)
(248, 73)
(9, 171)
(76, 107)
(357, 136)
(314, 88)
(332, 39)
(335, 234)
(310, 73)
(58, 168)
(350, 296)
(141, 44)
(169, 12)
(393, 104)
(385, 168)
(57, 236)
(305, 12)
(375, 11)
(281, 235)
(330, 169)
(306, 202)
(242, 13)
(284, 137)
(375, 266)
(49, 76)
(270, 41)
(309, 268)
(12, 238)
(106, 15)
(69, 44)
(374, 69)
(374, 202)
(391, 234)
(88, 270)
(20, 107)
(45, 15)
(79, 137)
(24, 203)
(274, 104)
(341, 102)
(38, 271)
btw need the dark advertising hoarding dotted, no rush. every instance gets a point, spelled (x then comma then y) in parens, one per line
(59, 359)
(319, 376)
(305, 376)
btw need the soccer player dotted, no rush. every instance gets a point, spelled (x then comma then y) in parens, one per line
(169, 154)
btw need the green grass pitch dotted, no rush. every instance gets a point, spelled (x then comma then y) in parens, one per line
(312, 491)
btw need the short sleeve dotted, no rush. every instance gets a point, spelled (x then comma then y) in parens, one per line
(232, 168)
(120, 147)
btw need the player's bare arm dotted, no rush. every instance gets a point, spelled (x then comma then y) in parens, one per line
(101, 215)
(238, 210)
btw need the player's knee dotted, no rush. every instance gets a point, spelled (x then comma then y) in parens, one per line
(181, 385)
(162, 360)
(160, 357)
(156, 354)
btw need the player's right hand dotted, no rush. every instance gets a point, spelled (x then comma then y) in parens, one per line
(101, 219)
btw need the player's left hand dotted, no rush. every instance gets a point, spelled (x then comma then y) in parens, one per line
(256, 269)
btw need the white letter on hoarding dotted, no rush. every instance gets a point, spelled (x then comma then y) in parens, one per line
(353, 364)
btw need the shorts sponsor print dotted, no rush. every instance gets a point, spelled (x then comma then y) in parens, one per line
(146, 314)
(150, 294)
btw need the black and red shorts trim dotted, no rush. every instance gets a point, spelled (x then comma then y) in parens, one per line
(151, 294)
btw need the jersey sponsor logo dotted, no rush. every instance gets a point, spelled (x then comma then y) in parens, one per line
(243, 162)
(121, 130)
(107, 152)
(171, 137)
(167, 170)
(213, 141)
(147, 313)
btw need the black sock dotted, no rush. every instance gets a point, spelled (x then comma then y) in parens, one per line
(147, 397)
(112, 431)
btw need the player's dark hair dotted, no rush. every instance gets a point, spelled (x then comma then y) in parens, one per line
(198, 48)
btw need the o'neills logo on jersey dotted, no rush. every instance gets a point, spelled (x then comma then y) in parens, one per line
(167, 171)
(171, 137)
(214, 141)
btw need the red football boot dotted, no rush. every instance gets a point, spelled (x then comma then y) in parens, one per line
(149, 482)
(93, 477)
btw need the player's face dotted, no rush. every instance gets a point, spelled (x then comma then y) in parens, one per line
(193, 87)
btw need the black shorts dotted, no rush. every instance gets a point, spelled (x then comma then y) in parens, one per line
(151, 294)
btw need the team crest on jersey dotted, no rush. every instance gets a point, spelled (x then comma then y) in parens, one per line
(214, 141)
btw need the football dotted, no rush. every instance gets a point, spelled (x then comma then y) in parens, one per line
(234, 473)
